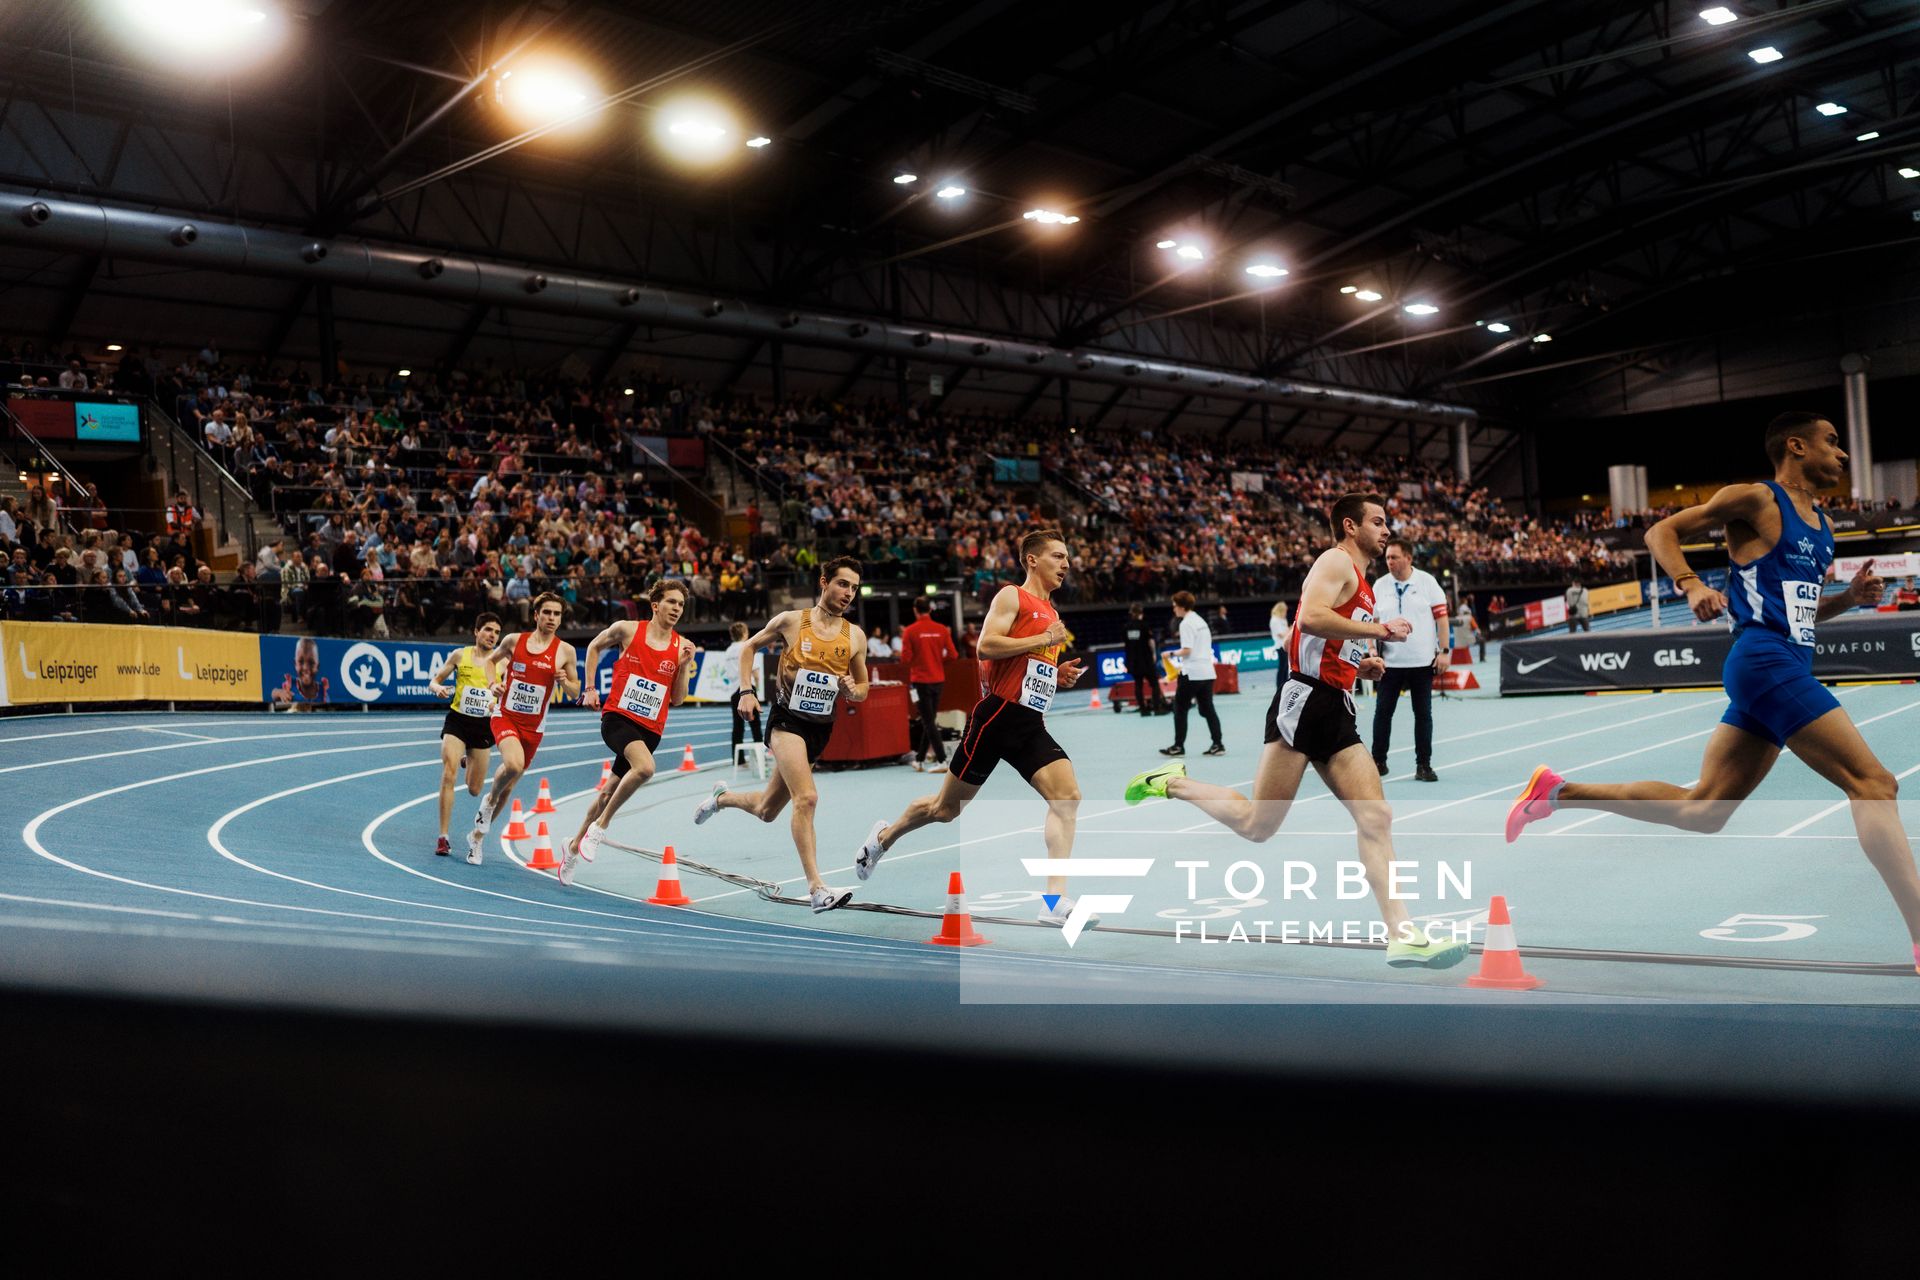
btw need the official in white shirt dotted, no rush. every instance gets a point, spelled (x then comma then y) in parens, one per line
(1195, 657)
(1280, 629)
(1410, 593)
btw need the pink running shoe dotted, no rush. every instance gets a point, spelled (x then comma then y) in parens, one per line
(1535, 802)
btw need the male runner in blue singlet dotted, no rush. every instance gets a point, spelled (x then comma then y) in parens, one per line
(1781, 548)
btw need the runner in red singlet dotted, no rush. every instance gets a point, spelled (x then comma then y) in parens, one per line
(531, 665)
(1311, 721)
(650, 675)
(1021, 645)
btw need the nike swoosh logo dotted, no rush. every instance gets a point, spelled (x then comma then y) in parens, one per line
(1526, 668)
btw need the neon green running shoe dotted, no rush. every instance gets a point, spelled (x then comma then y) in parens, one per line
(1154, 782)
(1428, 952)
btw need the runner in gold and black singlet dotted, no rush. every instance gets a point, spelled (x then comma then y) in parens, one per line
(466, 736)
(1021, 644)
(823, 664)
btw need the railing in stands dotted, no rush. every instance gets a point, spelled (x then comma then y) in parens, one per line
(36, 454)
(181, 455)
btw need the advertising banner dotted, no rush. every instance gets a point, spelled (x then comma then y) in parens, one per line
(1866, 646)
(80, 662)
(323, 671)
(1621, 595)
(1551, 612)
(1905, 564)
(1248, 653)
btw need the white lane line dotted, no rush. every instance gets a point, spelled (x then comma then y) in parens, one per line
(1834, 808)
(1837, 807)
(115, 728)
(254, 737)
(181, 733)
(1124, 808)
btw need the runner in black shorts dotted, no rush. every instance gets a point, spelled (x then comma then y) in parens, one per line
(1311, 721)
(466, 735)
(824, 660)
(1021, 644)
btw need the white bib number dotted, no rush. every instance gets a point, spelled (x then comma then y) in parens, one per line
(476, 700)
(1354, 652)
(814, 693)
(643, 698)
(1040, 683)
(525, 699)
(1803, 602)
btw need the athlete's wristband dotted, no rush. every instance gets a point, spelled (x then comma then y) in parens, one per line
(1683, 577)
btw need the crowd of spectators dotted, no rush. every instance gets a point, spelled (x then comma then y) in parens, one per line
(410, 502)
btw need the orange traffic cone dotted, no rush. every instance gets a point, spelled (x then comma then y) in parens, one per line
(545, 803)
(956, 927)
(1500, 956)
(667, 893)
(1095, 704)
(542, 851)
(606, 775)
(686, 761)
(517, 829)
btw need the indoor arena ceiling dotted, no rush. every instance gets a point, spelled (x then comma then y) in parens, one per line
(1571, 187)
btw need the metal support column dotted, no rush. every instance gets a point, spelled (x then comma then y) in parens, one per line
(1853, 370)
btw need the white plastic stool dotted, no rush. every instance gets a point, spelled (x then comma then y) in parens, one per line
(756, 753)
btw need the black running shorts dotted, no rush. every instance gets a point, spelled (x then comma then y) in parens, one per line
(999, 730)
(815, 733)
(1314, 719)
(619, 733)
(475, 732)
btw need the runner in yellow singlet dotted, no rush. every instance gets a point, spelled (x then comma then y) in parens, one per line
(466, 736)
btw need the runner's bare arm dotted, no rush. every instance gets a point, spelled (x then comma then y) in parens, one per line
(1329, 584)
(1743, 502)
(564, 673)
(447, 668)
(776, 628)
(616, 637)
(855, 682)
(501, 652)
(1864, 590)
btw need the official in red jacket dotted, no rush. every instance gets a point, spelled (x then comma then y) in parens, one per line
(925, 646)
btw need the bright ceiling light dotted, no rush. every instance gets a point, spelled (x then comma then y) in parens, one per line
(1421, 309)
(1910, 173)
(406, 373)
(905, 179)
(1266, 271)
(1366, 295)
(696, 131)
(1166, 244)
(952, 191)
(244, 28)
(113, 346)
(1050, 218)
(1191, 252)
(540, 94)
(759, 142)
(1831, 109)
(1765, 54)
(1868, 136)
(1349, 288)
(1718, 16)
(1543, 337)
(626, 391)
(1499, 326)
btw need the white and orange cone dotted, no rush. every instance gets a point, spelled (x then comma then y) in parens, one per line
(1500, 966)
(544, 804)
(516, 829)
(668, 892)
(956, 926)
(686, 760)
(606, 775)
(542, 851)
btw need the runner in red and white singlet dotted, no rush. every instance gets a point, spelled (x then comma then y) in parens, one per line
(650, 675)
(1311, 721)
(1021, 644)
(1334, 662)
(531, 666)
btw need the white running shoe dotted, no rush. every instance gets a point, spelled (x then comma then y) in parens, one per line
(589, 844)
(570, 863)
(711, 805)
(830, 899)
(870, 852)
(938, 766)
(1062, 908)
(476, 846)
(917, 766)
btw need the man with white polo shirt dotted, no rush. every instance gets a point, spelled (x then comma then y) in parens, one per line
(1195, 658)
(1410, 593)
